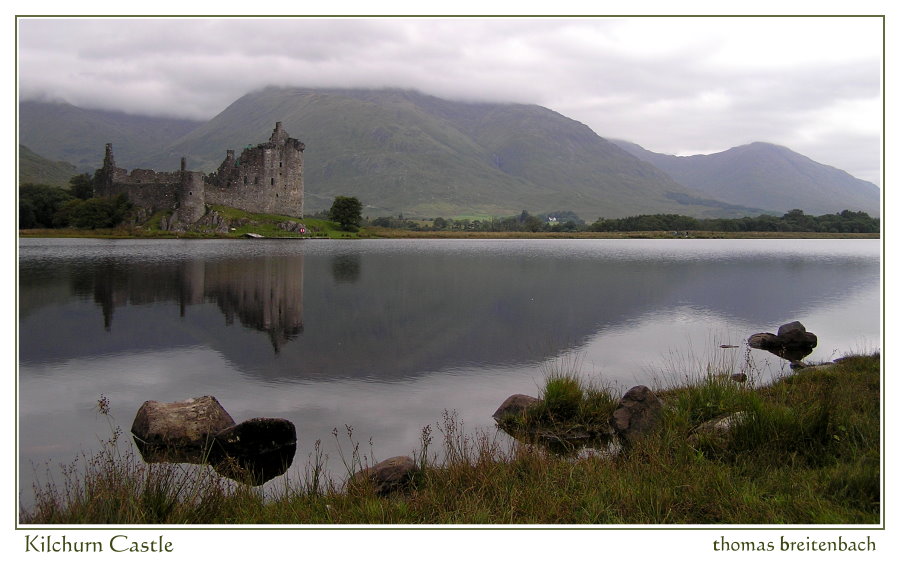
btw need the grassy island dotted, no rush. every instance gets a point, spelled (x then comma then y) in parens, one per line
(807, 451)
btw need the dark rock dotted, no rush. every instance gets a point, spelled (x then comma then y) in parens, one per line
(392, 475)
(178, 431)
(255, 451)
(764, 340)
(795, 335)
(792, 341)
(637, 413)
(514, 405)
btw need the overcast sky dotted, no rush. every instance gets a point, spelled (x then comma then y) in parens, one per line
(673, 85)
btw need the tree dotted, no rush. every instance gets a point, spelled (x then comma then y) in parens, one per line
(39, 203)
(347, 211)
(82, 186)
(97, 212)
(532, 224)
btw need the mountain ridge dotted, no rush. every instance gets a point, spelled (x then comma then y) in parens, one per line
(400, 151)
(781, 177)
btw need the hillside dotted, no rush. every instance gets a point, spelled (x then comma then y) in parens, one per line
(766, 173)
(403, 152)
(34, 168)
(61, 131)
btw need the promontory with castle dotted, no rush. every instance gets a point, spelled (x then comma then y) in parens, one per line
(266, 178)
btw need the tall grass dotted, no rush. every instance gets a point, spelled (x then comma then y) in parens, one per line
(807, 451)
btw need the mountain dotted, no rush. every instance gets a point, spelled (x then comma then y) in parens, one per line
(34, 168)
(764, 174)
(62, 131)
(405, 152)
(398, 151)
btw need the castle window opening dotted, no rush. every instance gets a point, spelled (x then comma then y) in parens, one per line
(273, 181)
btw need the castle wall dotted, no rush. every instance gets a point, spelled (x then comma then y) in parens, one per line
(267, 178)
(144, 188)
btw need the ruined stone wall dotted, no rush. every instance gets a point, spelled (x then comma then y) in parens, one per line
(267, 178)
(145, 188)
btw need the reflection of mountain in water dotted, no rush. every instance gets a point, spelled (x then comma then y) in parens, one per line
(392, 315)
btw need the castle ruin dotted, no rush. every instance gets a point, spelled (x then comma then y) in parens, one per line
(267, 178)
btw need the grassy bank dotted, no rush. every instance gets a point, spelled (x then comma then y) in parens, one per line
(237, 225)
(226, 222)
(809, 453)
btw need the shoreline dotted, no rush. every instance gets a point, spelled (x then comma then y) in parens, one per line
(817, 426)
(384, 233)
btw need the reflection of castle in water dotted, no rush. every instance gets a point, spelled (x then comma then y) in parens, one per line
(266, 295)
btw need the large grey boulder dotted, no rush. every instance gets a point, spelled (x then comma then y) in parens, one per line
(178, 431)
(392, 475)
(638, 412)
(514, 405)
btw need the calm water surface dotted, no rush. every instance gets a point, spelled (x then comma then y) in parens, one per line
(386, 335)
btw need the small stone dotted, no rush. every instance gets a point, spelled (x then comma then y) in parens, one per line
(391, 475)
(717, 432)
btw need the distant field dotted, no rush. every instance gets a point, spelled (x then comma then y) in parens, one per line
(395, 233)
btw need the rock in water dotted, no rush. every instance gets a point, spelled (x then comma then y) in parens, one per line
(792, 341)
(514, 405)
(178, 431)
(794, 335)
(255, 451)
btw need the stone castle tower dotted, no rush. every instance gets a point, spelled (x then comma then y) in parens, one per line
(266, 178)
